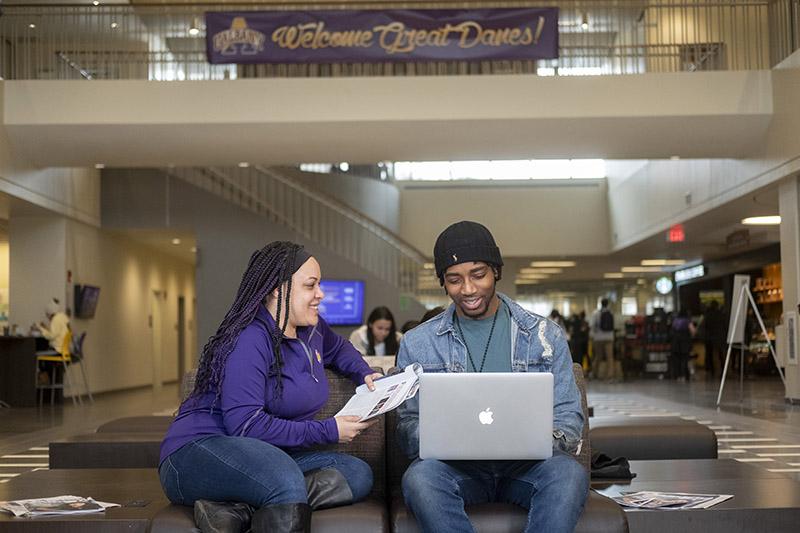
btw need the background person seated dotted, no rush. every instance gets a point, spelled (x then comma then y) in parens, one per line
(59, 326)
(379, 336)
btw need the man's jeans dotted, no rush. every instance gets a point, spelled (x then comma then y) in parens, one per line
(242, 469)
(554, 491)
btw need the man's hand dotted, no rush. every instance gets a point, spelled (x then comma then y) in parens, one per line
(369, 379)
(350, 427)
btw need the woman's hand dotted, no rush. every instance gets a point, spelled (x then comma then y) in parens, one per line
(369, 379)
(349, 427)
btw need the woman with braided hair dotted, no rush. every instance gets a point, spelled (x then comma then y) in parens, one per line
(237, 448)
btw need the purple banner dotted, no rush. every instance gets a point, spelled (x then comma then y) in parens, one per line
(367, 36)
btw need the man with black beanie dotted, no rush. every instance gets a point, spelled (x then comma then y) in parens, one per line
(485, 331)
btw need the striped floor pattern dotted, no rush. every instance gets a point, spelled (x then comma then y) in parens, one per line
(12, 465)
(740, 444)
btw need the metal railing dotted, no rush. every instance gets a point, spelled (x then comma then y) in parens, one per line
(596, 37)
(282, 197)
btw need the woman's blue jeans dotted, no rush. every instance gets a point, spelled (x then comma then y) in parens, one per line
(554, 491)
(242, 469)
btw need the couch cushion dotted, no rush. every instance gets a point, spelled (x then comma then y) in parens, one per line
(646, 438)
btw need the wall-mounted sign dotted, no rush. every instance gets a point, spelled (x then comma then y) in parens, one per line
(686, 274)
(394, 35)
(676, 233)
(664, 285)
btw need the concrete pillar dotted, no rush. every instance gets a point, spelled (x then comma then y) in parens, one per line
(789, 206)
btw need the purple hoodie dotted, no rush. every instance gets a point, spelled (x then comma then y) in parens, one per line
(249, 407)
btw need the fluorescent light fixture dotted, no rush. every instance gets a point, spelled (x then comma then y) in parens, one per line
(95, 3)
(527, 275)
(613, 275)
(194, 29)
(762, 221)
(553, 264)
(641, 269)
(430, 266)
(662, 262)
(529, 270)
(526, 281)
(99, 165)
(176, 241)
(244, 164)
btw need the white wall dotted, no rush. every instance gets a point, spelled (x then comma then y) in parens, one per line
(526, 218)
(118, 342)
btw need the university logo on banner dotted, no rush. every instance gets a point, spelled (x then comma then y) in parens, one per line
(364, 36)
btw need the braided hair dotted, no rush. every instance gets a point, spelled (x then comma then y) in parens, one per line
(268, 268)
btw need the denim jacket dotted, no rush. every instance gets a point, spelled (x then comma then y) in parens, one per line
(537, 345)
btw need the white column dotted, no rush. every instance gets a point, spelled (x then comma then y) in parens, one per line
(789, 205)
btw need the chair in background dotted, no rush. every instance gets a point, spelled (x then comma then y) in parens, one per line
(52, 356)
(76, 351)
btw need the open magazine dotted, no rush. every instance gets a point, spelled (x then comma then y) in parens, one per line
(390, 391)
(646, 499)
(55, 505)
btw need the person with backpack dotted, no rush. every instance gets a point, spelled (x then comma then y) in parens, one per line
(602, 329)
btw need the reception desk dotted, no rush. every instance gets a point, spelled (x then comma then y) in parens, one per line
(18, 370)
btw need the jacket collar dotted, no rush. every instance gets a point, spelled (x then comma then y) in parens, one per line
(524, 320)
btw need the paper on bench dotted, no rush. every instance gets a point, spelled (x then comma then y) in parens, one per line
(55, 505)
(390, 391)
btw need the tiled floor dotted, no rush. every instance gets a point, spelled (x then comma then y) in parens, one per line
(756, 426)
(754, 423)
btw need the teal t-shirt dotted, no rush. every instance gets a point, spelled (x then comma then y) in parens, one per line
(475, 335)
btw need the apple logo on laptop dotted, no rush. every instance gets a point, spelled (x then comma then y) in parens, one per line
(486, 416)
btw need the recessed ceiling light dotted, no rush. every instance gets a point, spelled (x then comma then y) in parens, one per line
(530, 270)
(527, 275)
(193, 249)
(114, 25)
(244, 164)
(553, 263)
(762, 221)
(96, 3)
(99, 165)
(675, 157)
(641, 269)
(31, 25)
(176, 241)
(662, 262)
(429, 266)
(613, 275)
(526, 281)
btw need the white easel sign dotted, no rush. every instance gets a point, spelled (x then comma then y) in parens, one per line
(791, 338)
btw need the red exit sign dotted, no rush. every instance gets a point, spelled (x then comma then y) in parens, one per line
(676, 233)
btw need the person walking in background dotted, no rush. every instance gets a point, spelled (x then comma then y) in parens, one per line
(579, 339)
(681, 345)
(601, 326)
(715, 325)
(236, 449)
(379, 336)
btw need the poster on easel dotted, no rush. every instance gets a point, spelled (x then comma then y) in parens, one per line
(736, 335)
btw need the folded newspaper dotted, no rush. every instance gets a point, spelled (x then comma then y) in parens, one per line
(390, 391)
(55, 505)
(670, 500)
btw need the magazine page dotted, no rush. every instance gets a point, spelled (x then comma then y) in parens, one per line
(670, 500)
(390, 391)
(55, 505)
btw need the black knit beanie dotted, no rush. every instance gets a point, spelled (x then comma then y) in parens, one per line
(465, 242)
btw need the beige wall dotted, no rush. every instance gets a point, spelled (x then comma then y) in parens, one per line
(526, 218)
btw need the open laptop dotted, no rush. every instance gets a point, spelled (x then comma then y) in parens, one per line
(497, 415)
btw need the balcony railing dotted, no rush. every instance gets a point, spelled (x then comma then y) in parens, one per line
(597, 37)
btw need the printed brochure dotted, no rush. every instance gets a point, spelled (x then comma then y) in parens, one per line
(390, 391)
(55, 505)
(669, 500)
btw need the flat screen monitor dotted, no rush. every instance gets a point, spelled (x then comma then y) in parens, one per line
(86, 297)
(343, 304)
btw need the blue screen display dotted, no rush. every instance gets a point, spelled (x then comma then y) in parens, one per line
(343, 304)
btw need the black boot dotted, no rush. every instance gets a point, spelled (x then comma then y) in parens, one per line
(283, 518)
(327, 488)
(222, 517)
